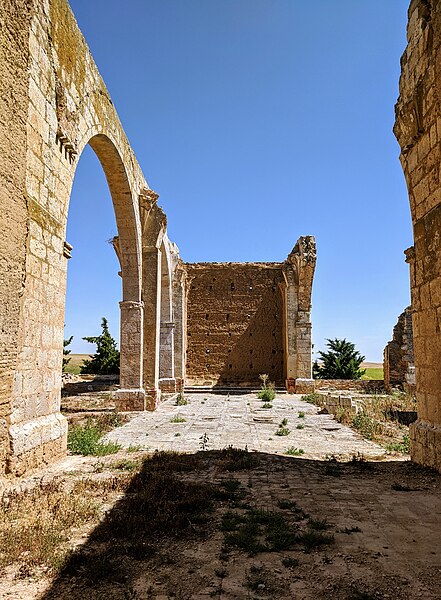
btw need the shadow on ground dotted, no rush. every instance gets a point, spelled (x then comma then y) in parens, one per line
(233, 524)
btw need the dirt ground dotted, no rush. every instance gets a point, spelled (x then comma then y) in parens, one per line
(226, 524)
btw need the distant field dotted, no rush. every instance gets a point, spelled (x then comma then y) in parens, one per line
(76, 360)
(373, 370)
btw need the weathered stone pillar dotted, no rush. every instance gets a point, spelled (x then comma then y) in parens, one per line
(131, 395)
(151, 284)
(298, 271)
(179, 311)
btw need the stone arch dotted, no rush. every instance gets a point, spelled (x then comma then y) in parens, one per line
(417, 128)
(68, 107)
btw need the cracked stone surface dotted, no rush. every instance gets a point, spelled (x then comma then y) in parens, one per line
(240, 420)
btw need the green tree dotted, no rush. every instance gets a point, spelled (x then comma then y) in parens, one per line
(106, 359)
(66, 353)
(342, 361)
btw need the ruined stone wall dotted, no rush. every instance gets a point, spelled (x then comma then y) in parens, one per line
(418, 130)
(14, 81)
(398, 362)
(234, 323)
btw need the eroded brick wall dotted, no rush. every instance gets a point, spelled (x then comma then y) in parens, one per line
(235, 323)
(14, 81)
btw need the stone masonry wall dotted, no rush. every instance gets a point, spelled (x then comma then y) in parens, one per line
(418, 130)
(234, 323)
(398, 362)
(14, 81)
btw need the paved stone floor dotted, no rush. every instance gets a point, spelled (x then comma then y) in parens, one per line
(240, 420)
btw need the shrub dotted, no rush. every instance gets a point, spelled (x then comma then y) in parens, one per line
(106, 359)
(342, 361)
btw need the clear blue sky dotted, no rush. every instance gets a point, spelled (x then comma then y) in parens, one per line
(256, 121)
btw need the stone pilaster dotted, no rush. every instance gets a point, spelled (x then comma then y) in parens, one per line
(298, 272)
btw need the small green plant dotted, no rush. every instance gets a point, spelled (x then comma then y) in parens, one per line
(292, 451)
(177, 419)
(86, 440)
(301, 414)
(312, 539)
(181, 400)
(283, 429)
(300, 426)
(318, 524)
(403, 447)
(267, 393)
(313, 398)
(177, 434)
(367, 426)
(267, 405)
(135, 448)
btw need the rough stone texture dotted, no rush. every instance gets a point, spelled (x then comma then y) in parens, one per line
(53, 103)
(418, 130)
(365, 386)
(246, 319)
(398, 365)
(14, 78)
(242, 422)
(235, 323)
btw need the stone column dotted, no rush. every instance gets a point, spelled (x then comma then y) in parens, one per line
(151, 286)
(131, 395)
(179, 311)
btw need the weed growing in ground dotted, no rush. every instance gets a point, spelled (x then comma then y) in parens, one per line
(300, 426)
(177, 419)
(301, 414)
(86, 440)
(267, 393)
(237, 459)
(177, 434)
(402, 447)
(313, 398)
(292, 451)
(181, 400)
(267, 405)
(135, 448)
